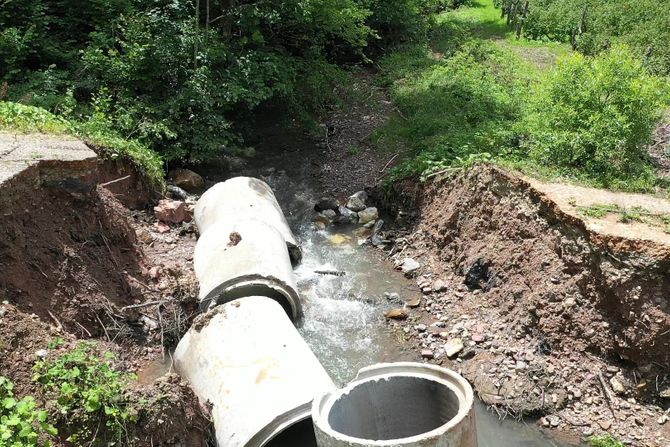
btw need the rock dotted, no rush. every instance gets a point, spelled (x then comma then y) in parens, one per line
(427, 354)
(378, 227)
(414, 302)
(551, 421)
(162, 227)
(339, 238)
(42, 354)
(421, 327)
(393, 297)
(186, 179)
(617, 386)
(605, 424)
(478, 338)
(409, 265)
(439, 285)
(322, 218)
(172, 211)
(453, 347)
(370, 224)
(663, 419)
(368, 215)
(319, 226)
(480, 276)
(665, 394)
(362, 195)
(355, 204)
(346, 216)
(176, 192)
(326, 203)
(330, 214)
(396, 314)
(155, 272)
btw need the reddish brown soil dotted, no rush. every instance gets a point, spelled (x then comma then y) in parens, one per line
(544, 306)
(70, 261)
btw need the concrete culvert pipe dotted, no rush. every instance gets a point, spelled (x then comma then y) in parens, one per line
(249, 361)
(243, 198)
(238, 258)
(398, 404)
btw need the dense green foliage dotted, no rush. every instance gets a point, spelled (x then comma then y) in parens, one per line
(476, 93)
(182, 77)
(89, 393)
(457, 110)
(21, 423)
(97, 131)
(596, 115)
(594, 25)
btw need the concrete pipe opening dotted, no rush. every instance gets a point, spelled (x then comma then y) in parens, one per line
(409, 404)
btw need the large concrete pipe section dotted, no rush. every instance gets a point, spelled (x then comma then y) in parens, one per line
(235, 258)
(398, 404)
(248, 360)
(244, 198)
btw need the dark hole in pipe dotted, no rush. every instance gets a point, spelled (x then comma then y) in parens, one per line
(300, 434)
(393, 408)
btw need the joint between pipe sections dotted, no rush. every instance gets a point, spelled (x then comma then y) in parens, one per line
(251, 285)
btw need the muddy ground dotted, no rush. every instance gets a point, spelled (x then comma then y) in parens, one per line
(78, 264)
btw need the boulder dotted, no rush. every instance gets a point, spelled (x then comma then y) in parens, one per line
(396, 314)
(172, 211)
(186, 179)
(355, 204)
(346, 216)
(368, 215)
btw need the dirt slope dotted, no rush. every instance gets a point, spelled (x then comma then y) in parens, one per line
(545, 301)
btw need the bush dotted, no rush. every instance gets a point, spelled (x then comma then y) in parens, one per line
(89, 394)
(21, 423)
(459, 110)
(596, 115)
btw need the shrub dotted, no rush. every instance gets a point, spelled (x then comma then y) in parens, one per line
(89, 394)
(21, 423)
(596, 115)
(460, 110)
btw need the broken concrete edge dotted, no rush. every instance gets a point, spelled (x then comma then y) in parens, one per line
(459, 431)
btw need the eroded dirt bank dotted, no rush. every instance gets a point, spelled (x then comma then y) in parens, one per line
(543, 314)
(77, 264)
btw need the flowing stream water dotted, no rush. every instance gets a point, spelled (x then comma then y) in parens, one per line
(343, 321)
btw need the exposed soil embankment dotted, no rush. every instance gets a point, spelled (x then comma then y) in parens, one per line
(76, 263)
(554, 316)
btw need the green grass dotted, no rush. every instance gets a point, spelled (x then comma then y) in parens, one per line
(598, 210)
(605, 441)
(15, 117)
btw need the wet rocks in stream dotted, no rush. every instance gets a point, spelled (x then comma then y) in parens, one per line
(350, 211)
